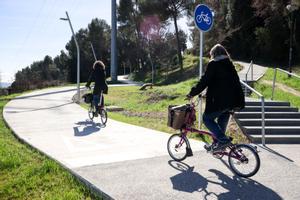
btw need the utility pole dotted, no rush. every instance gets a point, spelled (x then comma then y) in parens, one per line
(93, 52)
(113, 62)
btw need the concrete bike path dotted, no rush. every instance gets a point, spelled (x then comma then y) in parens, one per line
(258, 71)
(50, 121)
(129, 162)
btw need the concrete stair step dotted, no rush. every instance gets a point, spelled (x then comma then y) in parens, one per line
(270, 122)
(270, 115)
(277, 139)
(267, 103)
(270, 109)
(272, 130)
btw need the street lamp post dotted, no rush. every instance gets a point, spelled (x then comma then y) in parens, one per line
(78, 56)
(292, 8)
(113, 62)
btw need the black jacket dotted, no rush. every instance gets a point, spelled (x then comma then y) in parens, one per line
(98, 75)
(224, 90)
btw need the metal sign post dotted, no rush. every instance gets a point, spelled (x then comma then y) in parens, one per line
(203, 18)
(200, 75)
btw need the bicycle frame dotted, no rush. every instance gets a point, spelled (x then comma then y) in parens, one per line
(189, 128)
(190, 121)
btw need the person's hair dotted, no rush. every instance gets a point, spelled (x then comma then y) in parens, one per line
(99, 63)
(218, 50)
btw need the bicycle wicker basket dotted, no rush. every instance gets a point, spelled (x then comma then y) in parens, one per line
(88, 98)
(177, 115)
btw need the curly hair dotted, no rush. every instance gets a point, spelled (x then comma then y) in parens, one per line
(99, 63)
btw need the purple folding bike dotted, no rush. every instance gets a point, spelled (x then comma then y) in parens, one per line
(243, 159)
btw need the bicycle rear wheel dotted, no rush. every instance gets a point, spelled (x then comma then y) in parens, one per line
(177, 147)
(103, 116)
(244, 160)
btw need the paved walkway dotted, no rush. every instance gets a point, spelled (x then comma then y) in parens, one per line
(258, 71)
(124, 79)
(129, 162)
(50, 121)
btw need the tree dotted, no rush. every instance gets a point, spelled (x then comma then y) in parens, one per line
(130, 18)
(62, 63)
(167, 9)
(97, 33)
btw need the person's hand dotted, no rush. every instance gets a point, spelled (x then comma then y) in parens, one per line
(188, 97)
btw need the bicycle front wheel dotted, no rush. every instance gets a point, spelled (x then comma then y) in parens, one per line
(103, 116)
(177, 147)
(244, 160)
(91, 113)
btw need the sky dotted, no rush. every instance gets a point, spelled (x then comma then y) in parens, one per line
(31, 29)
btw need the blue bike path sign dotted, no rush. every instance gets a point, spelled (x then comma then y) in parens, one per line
(203, 17)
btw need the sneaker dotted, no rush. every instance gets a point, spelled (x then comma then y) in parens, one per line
(221, 145)
(101, 112)
(96, 114)
(208, 147)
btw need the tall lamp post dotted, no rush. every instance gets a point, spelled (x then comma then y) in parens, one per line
(78, 56)
(292, 8)
(113, 62)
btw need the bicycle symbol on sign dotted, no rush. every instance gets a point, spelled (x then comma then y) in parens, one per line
(203, 17)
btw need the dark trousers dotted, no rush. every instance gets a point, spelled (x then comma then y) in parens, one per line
(96, 101)
(216, 123)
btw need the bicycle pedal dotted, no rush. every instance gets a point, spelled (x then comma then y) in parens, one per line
(207, 147)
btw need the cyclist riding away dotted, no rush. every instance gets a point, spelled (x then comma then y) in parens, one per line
(98, 75)
(224, 94)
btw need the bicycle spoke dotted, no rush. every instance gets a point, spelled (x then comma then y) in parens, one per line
(244, 160)
(177, 147)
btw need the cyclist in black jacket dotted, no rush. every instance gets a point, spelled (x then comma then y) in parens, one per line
(224, 93)
(98, 75)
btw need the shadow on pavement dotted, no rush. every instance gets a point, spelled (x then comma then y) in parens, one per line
(235, 187)
(46, 93)
(187, 180)
(32, 110)
(89, 127)
(275, 152)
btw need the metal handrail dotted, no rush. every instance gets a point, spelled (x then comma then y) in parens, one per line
(246, 75)
(263, 139)
(274, 78)
(250, 67)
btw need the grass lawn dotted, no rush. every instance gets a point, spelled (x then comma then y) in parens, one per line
(26, 174)
(279, 94)
(283, 78)
(147, 108)
(171, 75)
